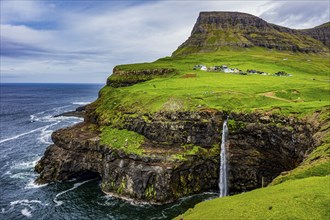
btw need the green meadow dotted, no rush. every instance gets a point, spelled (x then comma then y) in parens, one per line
(188, 90)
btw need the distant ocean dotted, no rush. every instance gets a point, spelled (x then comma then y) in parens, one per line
(26, 124)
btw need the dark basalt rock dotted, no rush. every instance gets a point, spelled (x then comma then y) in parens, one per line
(260, 148)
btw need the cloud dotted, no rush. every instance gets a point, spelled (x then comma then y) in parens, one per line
(24, 11)
(60, 41)
(298, 14)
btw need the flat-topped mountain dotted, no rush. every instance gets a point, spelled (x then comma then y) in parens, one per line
(214, 30)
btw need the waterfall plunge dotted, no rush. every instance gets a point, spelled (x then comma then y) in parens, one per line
(223, 183)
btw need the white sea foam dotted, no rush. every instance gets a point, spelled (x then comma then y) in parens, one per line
(23, 171)
(45, 136)
(20, 135)
(26, 202)
(47, 116)
(22, 175)
(29, 132)
(80, 103)
(26, 213)
(76, 185)
(32, 185)
(6, 173)
(25, 165)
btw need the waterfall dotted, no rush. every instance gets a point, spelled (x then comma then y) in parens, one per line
(223, 182)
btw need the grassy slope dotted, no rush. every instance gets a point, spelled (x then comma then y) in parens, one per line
(307, 198)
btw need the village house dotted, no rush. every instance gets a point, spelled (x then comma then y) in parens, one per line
(200, 67)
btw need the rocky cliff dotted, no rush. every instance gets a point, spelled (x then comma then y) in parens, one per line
(214, 30)
(180, 154)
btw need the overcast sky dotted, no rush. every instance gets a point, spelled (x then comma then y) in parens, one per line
(81, 41)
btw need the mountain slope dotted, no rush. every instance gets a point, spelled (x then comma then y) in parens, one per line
(321, 33)
(215, 30)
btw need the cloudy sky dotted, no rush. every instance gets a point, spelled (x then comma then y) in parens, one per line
(81, 41)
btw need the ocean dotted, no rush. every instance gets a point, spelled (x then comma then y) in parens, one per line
(26, 122)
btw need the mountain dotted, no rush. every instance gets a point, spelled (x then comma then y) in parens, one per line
(214, 30)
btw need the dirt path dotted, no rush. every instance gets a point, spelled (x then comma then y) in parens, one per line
(272, 95)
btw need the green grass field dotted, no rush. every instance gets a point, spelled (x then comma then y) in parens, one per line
(304, 92)
(307, 198)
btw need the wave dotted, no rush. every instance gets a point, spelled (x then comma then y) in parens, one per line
(26, 213)
(29, 206)
(26, 202)
(47, 115)
(45, 136)
(20, 135)
(24, 171)
(76, 185)
(25, 165)
(26, 133)
(32, 185)
(6, 173)
(80, 103)
(23, 176)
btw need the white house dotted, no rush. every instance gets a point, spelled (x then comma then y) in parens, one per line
(204, 68)
(228, 70)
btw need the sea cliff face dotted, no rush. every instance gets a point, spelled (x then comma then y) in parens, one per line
(260, 148)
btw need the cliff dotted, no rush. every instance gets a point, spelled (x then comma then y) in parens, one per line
(215, 30)
(180, 154)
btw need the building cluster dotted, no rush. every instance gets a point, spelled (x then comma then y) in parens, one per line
(222, 68)
(226, 69)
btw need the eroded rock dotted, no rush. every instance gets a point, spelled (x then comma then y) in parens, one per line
(260, 148)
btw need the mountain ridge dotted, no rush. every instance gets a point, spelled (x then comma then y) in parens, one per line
(215, 30)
